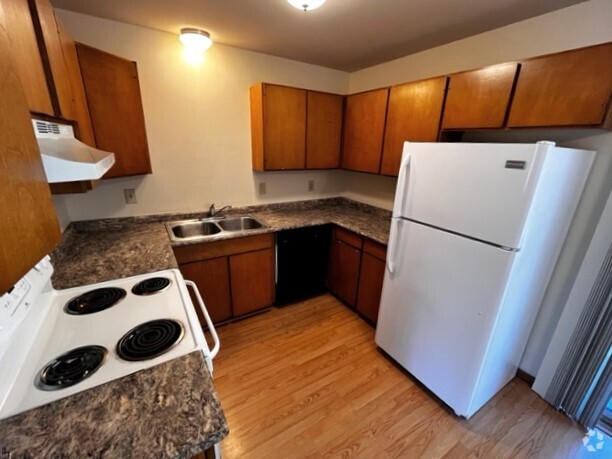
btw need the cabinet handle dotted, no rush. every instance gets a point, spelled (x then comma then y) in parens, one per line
(211, 327)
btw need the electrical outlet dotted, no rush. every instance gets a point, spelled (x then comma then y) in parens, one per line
(311, 184)
(130, 196)
(262, 188)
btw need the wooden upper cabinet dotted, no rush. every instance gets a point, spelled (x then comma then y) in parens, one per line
(364, 128)
(59, 80)
(23, 49)
(28, 225)
(113, 96)
(479, 98)
(323, 130)
(78, 110)
(278, 127)
(413, 114)
(566, 89)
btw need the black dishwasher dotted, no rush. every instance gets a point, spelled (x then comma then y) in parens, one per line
(301, 263)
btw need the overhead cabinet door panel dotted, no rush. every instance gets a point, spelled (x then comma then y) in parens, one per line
(479, 98)
(113, 96)
(284, 125)
(413, 114)
(324, 130)
(566, 89)
(28, 225)
(26, 57)
(364, 126)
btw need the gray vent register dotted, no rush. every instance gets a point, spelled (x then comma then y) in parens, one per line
(47, 128)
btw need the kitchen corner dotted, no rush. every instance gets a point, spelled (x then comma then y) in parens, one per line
(129, 416)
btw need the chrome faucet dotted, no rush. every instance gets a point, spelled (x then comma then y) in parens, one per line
(214, 212)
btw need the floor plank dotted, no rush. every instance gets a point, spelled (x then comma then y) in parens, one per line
(307, 381)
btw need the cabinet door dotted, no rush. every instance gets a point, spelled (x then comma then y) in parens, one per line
(212, 279)
(28, 225)
(252, 281)
(344, 271)
(371, 277)
(284, 127)
(413, 114)
(566, 89)
(53, 48)
(364, 125)
(113, 96)
(323, 130)
(79, 109)
(479, 98)
(25, 54)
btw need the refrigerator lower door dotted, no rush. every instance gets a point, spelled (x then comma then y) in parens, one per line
(439, 305)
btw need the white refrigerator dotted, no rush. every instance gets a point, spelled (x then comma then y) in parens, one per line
(475, 235)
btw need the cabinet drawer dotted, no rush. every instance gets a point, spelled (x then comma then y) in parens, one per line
(348, 237)
(375, 249)
(215, 249)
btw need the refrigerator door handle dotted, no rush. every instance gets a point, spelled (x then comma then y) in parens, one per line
(398, 208)
(393, 245)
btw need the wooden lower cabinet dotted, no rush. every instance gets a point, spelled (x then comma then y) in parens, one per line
(371, 275)
(344, 270)
(252, 279)
(213, 280)
(235, 276)
(356, 271)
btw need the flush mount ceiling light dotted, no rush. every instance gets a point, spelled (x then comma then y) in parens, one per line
(306, 5)
(195, 39)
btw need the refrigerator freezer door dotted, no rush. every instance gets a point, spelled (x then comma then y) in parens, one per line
(480, 190)
(439, 307)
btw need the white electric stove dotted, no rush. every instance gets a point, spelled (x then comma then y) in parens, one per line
(55, 343)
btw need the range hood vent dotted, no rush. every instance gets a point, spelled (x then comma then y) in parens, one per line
(66, 159)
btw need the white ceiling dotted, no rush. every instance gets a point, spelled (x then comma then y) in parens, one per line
(342, 34)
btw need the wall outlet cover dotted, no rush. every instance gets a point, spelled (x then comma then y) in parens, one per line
(130, 196)
(311, 185)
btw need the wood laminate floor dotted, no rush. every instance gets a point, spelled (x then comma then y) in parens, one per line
(307, 381)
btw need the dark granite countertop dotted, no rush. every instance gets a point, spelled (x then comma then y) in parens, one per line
(91, 253)
(168, 411)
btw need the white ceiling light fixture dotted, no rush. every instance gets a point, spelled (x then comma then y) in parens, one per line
(306, 5)
(195, 40)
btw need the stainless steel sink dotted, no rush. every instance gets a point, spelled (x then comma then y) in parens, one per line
(192, 230)
(240, 224)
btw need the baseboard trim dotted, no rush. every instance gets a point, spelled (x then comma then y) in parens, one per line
(525, 377)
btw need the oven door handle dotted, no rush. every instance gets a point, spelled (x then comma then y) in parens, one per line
(211, 327)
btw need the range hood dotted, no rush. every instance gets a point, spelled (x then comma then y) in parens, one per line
(66, 159)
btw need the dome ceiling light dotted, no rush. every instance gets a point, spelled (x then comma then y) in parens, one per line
(195, 40)
(306, 5)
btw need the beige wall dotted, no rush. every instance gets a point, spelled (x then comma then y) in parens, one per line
(579, 25)
(197, 121)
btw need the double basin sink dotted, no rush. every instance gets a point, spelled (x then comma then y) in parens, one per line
(190, 230)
